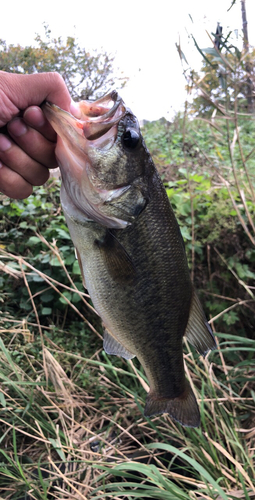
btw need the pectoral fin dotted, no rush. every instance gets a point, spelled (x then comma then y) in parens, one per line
(119, 264)
(112, 346)
(198, 330)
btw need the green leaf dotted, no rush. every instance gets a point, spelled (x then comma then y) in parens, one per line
(185, 233)
(66, 294)
(2, 400)
(55, 262)
(36, 277)
(58, 448)
(46, 297)
(76, 268)
(33, 240)
(63, 234)
(46, 311)
(76, 298)
(204, 474)
(69, 259)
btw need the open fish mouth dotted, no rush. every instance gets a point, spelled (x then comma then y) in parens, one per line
(98, 123)
(79, 140)
(101, 115)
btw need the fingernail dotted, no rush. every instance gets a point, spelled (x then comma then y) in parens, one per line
(17, 127)
(5, 144)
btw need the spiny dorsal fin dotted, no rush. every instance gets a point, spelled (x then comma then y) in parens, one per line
(112, 346)
(198, 330)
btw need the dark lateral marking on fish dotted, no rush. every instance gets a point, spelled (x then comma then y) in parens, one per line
(119, 264)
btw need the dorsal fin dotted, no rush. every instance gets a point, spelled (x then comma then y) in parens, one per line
(198, 330)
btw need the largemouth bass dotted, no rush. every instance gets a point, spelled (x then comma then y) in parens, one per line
(130, 249)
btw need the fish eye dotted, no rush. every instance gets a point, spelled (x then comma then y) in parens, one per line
(130, 138)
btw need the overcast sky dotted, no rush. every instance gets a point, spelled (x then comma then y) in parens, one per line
(142, 34)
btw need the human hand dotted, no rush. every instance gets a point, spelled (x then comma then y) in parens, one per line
(27, 141)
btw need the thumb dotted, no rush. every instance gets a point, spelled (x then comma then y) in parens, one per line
(20, 91)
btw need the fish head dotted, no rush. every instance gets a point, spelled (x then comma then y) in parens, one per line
(103, 160)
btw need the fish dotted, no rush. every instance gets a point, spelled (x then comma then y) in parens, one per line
(130, 249)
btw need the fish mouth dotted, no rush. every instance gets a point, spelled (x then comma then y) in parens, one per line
(98, 123)
(97, 128)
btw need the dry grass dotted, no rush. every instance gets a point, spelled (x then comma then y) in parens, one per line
(70, 435)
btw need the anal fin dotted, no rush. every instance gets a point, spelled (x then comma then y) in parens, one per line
(112, 346)
(183, 409)
(198, 330)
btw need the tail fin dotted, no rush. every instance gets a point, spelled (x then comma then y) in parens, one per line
(184, 408)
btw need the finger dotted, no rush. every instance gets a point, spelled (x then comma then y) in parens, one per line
(34, 117)
(13, 185)
(17, 92)
(33, 89)
(17, 160)
(33, 143)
